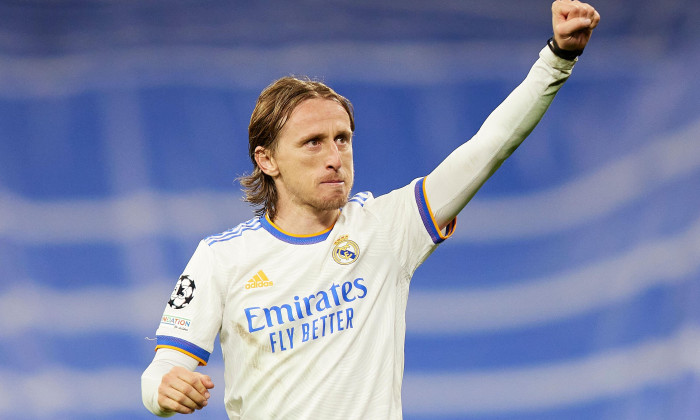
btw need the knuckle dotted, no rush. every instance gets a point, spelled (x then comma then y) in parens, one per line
(167, 404)
(194, 394)
(186, 389)
(185, 401)
(163, 387)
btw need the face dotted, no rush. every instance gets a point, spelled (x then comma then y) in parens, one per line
(312, 164)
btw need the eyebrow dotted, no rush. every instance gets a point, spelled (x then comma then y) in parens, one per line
(310, 137)
(346, 133)
(313, 136)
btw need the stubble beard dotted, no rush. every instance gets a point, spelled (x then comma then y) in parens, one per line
(320, 203)
(336, 201)
(333, 204)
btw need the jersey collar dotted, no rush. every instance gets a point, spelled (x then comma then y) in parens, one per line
(280, 234)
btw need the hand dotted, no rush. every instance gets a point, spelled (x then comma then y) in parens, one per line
(183, 391)
(573, 23)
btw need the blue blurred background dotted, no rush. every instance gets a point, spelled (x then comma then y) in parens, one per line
(571, 289)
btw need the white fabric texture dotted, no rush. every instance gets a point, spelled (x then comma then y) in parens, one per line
(314, 327)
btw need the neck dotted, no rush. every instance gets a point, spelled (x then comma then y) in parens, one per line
(299, 222)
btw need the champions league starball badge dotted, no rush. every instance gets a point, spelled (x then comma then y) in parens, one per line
(183, 293)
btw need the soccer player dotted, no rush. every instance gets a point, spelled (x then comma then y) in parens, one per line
(309, 297)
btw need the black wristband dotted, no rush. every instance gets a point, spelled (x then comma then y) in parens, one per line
(565, 54)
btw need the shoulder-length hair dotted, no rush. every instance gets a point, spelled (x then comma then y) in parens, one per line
(272, 110)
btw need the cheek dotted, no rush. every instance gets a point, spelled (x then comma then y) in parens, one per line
(348, 161)
(296, 167)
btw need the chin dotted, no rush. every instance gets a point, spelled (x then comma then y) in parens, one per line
(338, 203)
(333, 203)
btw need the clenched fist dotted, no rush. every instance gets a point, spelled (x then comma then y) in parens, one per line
(573, 23)
(183, 391)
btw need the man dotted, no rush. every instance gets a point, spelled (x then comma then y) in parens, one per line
(309, 297)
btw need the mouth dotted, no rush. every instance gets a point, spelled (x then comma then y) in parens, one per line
(333, 182)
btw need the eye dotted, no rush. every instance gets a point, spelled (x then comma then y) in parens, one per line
(313, 142)
(343, 139)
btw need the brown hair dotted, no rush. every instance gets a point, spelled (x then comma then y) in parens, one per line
(272, 110)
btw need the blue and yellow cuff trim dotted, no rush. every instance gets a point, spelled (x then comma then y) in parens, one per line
(291, 238)
(194, 351)
(429, 218)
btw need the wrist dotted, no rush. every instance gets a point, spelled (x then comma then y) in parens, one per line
(565, 54)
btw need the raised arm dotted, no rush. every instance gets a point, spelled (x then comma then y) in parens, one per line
(455, 181)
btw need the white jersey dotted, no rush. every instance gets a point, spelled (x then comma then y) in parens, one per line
(310, 326)
(313, 327)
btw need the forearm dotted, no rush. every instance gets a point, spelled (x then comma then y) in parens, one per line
(163, 362)
(455, 181)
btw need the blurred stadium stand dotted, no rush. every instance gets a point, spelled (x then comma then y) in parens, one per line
(571, 289)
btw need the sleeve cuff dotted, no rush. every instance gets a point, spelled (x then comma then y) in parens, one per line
(428, 217)
(183, 346)
(556, 62)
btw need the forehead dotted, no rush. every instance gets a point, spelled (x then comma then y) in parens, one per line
(315, 113)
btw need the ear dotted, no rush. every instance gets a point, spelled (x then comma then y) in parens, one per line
(266, 162)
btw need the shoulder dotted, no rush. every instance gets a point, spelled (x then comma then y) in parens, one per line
(408, 194)
(361, 198)
(358, 206)
(367, 202)
(385, 205)
(238, 231)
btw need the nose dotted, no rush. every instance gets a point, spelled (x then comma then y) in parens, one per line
(333, 160)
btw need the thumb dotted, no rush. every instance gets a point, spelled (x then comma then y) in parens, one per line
(206, 381)
(574, 25)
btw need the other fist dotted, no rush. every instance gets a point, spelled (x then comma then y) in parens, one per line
(183, 391)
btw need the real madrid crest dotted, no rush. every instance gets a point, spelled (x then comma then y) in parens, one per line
(345, 251)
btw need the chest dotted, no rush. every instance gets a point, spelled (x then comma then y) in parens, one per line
(284, 288)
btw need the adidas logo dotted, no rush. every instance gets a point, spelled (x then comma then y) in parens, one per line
(258, 280)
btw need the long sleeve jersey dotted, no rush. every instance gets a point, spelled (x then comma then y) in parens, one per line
(314, 326)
